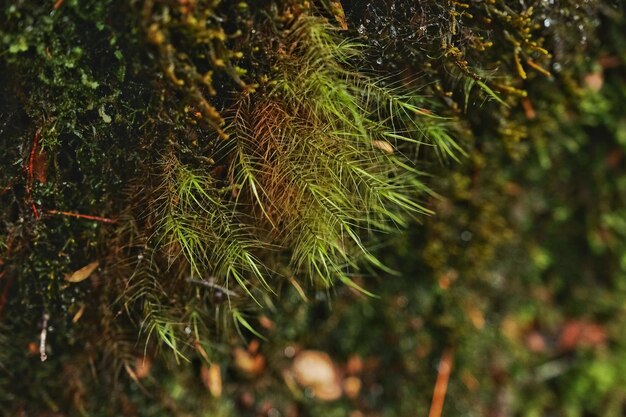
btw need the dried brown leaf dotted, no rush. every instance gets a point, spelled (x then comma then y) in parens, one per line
(383, 145)
(142, 367)
(316, 370)
(83, 273)
(249, 363)
(352, 386)
(212, 379)
(581, 333)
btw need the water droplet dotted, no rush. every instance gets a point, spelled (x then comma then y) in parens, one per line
(289, 351)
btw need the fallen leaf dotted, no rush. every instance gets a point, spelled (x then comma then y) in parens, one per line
(249, 363)
(212, 379)
(83, 273)
(511, 329)
(266, 323)
(315, 370)
(383, 145)
(142, 367)
(78, 314)
(254, 346)
(354, 365)
(577, 333)
(352, 386)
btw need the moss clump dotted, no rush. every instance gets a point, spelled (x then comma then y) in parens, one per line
(143, 151)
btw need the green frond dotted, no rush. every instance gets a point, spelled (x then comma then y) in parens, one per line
(325, 156)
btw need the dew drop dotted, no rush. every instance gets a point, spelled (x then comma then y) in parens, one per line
(289, 352)
(466, 236)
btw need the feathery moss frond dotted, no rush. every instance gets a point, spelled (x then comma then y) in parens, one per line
(326, 154)
(318, 163)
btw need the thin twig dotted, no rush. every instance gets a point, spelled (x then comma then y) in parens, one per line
(211, 284)
(42, 337)
(30, 174)
(441, 386)
(82, 216)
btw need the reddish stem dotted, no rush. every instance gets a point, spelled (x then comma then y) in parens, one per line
(441, 386)
(30, 175)
(82, 216)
